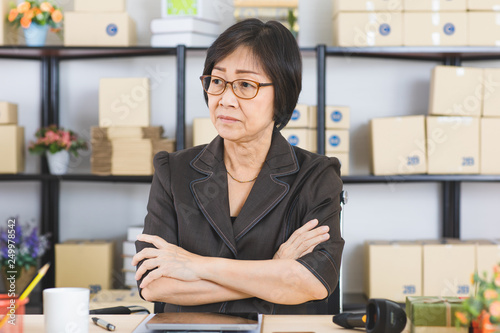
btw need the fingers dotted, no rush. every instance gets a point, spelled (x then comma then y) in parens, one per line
(155, 240)
(302, 230)
(313, 242)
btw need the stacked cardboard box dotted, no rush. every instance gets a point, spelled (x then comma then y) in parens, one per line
(125, 143)
(435, 23)
(128, 253)
(203, 131)
(11, 140)
(301, 129)
(99, 23)
(337, 124)
(484, 22)
(192, 23)
(359, 23)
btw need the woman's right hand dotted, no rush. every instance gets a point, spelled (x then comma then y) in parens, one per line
(303, 241)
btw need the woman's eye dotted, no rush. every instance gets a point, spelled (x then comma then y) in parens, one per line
(245, 84)
(217, 81)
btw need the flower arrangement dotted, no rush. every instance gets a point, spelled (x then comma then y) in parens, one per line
(21, 247)
(35, 11)
(53, 139)
(485, 303)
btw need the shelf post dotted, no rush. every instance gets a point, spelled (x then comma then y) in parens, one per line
(321, 63)
(451, 209)
(181, 96)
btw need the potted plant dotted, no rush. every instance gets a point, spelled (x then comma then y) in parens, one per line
(20, 248)
(36, 17)
(482, 309)
(56, 143)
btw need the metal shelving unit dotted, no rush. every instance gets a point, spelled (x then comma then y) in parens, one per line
(50, 58)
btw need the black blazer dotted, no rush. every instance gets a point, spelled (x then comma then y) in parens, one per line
(188, 206)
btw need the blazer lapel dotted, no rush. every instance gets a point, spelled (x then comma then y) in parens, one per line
(210, 191)
(268, 189)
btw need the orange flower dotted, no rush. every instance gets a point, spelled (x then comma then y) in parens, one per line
(497, 280)
(57, 16)
(36, 11)
(495, 309)
(46, 7)
(462, 318)
(490, 294)
(13, 14)
(23, 7)
(29, 14)
(496, 269)
(25, 22)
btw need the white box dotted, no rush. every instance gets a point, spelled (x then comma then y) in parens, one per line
(99, 29)
(185, 24)
(191, 39)
(337, 117)
(124, 102)
(8, 113)
(435, 29)
(99, 6)
(301, 137)
(368, 29)
(337, 141)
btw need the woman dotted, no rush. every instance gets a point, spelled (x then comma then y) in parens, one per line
(247, 222)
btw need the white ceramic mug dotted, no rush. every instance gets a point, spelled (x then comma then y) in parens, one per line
(66, 310)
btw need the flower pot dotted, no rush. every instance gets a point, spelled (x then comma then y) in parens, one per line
(484, 325)
(21, 279)
(36, 34)
(58, 162)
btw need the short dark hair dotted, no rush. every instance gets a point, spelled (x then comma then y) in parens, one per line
(276, 49)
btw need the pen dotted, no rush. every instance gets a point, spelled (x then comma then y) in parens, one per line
(104, 324)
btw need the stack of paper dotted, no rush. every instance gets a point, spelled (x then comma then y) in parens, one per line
(132, 157)
(100, 160)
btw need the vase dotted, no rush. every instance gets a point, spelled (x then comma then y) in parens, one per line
(58, 162)
(22, 278)
(36, 34)
(484, 325)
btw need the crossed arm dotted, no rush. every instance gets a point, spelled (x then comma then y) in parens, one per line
(177, 276)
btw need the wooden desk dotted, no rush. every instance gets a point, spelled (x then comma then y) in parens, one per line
(271, 324)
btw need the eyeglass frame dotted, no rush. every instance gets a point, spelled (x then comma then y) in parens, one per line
(259, 84)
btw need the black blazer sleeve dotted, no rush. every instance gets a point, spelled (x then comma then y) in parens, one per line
(161, 217)
(323, 189)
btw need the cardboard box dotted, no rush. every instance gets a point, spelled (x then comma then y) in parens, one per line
(8, 34)
(99, 6)
(490, 149)
(344, 162)
(204, 131)
(393, 270)
(434, 29)
(8, 113)
(124, 102)
(447, 269)
(337, 141)
(456, 91)
(337, 117)
(84, 264)
(433, 314)
(99, 29)
(452, 145)
(301, 137)
(483, 5)
(205, 9)
(434, 5)
(367, 5)
(12, 150)
(398, 145)
(304, 116)
(368, 29)
(484, 28)
(491, 92)
(487, 257)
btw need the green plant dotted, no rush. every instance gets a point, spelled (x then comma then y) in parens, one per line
(486, 299)
(53, 139)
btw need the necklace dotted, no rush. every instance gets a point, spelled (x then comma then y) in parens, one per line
(241, 181)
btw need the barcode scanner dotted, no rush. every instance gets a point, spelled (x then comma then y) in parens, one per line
(382, 316)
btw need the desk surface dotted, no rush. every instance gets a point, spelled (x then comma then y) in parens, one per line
(271, 324)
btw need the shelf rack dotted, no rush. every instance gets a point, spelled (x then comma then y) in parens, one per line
(50, 58)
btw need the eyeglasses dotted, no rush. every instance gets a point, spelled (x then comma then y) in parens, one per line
(242, 88)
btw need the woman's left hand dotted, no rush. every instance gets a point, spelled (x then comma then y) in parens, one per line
(166, 260)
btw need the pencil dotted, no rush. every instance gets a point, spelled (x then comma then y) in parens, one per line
(29, 288)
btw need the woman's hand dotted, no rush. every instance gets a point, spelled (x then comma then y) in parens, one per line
(165, 260)
(303, 241)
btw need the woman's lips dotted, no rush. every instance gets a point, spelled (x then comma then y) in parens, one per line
(226, 119)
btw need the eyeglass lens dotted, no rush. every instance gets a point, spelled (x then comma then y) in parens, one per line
(241, 88)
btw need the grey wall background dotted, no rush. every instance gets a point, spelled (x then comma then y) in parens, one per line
(371, 87)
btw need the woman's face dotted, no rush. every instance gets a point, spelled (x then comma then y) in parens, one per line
(237, 119)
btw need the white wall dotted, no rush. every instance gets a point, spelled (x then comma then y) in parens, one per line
(371, 87)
